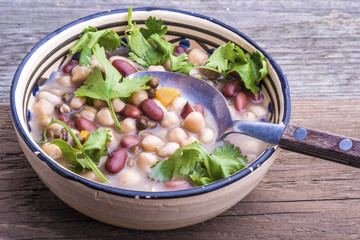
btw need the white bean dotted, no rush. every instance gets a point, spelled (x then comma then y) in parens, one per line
(156, 68)
(188, 141)
(177, 135)
(197, 57)
(90, 175)
(43, 107)
(44, 120)
(167, 65)
(260, 111)
(128, 125)
(88, 112)
(206, 135)
(79, 74)
(177, 104)
(52, 150)
(104, 118)
(65, 81)
(137, 97)
(95, 63)
(49, 97)
(170, 119)
(168, 149)
(196, 73)
(77, 102)
(99, 103)
(194, 122)
(129, 176)
(118, 105)
(145, 161)
(152, 143)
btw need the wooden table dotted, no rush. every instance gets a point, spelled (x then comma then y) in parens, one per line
(317, 44)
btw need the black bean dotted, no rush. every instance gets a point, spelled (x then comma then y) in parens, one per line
(151, 92)
(66, 97)
(142, 122)
(154, 82)
(64, 134)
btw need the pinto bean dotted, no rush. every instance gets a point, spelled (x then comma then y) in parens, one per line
(85, 124)
(178, 184)
(152, 110)
(116, 161)
(130, 111)
(129, 141)
(179, 50)
(124, 67)
(187, 109)
(199, 108)
(69, 66)
(240, 102)
(231, 88)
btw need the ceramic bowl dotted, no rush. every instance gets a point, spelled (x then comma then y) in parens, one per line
(134, 209)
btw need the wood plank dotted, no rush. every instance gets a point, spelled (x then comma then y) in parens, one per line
(316, 44)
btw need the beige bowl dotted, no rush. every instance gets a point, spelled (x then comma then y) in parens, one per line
(134, 209)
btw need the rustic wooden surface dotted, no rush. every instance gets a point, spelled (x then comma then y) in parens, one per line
(317, 45)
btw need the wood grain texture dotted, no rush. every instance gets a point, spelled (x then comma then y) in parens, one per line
(301, 197)
(316, 43)
(321, 144)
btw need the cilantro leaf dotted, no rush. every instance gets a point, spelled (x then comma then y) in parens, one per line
(83, 157)
(182, 162)
(146, 53)
(95, 87)
(90, 37)
(201, 167)
(153, 26)
(180, 64)
(228, 58)
(252, 72)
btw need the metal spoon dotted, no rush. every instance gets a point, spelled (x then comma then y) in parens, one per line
(307, 141)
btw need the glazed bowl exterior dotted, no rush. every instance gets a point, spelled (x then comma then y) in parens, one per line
(135, 209)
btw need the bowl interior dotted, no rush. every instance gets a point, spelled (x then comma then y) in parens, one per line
(183, 27)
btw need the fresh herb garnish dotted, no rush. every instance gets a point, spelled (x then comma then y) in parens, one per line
(202, 168)
(108, 39)
(180, 64)
(85, 156)
(95, 87)
(229, 58)
(150, 50)
(153, 26)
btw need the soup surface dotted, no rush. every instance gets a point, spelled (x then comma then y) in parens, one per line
(155, 122)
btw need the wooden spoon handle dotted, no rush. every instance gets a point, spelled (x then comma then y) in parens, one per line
(321, 144)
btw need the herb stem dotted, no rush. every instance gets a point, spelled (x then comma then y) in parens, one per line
(109, 102)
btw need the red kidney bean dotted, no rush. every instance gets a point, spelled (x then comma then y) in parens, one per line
(116, 161)
(124, 67)
(254, 98)
(231, 88)
(62, 118)
(85, 124)
(129, 141)
(179, 50)
(182, 184)
(69, 66)
(130, 111)
(199, 108)
(152, 110)
(187, 109)
(240, 102)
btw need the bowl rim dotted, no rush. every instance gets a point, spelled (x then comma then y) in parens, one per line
(141, 194)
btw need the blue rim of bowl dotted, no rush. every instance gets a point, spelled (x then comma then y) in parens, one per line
(139, 194)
